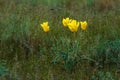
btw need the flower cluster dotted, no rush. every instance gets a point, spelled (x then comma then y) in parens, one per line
(72, 24)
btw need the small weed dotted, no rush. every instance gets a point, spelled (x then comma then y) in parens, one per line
(102, 76)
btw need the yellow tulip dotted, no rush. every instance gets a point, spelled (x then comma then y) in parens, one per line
(83, 25)
(73, 26)
(66, 22)
(45, 26)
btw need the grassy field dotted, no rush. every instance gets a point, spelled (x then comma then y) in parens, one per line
(29, 53)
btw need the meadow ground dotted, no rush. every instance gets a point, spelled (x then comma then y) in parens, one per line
(29, 53)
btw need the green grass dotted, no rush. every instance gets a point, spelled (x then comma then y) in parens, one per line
(28, 53)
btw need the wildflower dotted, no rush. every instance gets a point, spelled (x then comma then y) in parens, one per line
(73, 26)
(45, 26)
(83, 25)
(66, 21)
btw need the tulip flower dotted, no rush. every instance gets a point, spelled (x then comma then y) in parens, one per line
(66, 22)
(45, 26)
(73, 26)
(83, 25)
